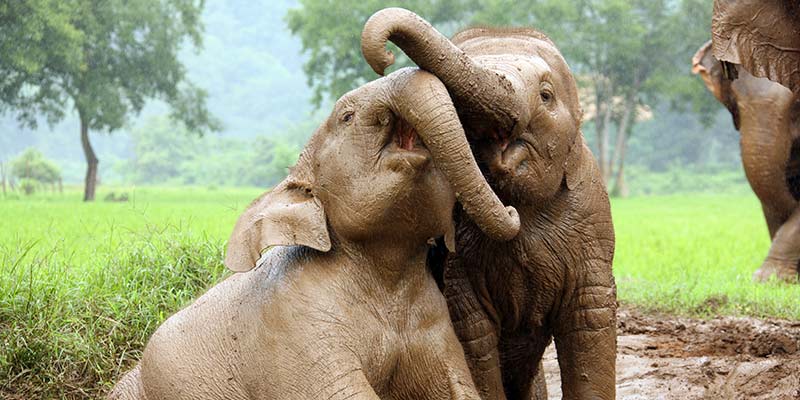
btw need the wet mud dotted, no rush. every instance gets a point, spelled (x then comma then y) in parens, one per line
(666, 357)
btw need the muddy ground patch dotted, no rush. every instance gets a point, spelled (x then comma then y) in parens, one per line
(666, 357)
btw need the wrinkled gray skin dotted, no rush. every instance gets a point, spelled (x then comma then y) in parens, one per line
(518, 101)
(350, 309)
(767, 116)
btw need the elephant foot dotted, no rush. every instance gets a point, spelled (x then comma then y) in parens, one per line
(784, 271)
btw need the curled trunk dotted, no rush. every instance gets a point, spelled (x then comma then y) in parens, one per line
(478, 89)
(423, 101)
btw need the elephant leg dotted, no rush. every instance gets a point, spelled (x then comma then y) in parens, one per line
(477, 333)
(129, 387)
(439, 370)
(523, 375)
(586, 340)
(774, 219)
(784, 253)
(538, 389)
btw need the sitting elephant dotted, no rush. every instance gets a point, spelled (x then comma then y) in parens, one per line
(519, 105)
(763, 36)
(350, 309)
(768, 117)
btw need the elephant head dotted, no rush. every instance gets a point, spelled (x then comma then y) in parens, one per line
(366, 174)
(761, 35)
(513, 90)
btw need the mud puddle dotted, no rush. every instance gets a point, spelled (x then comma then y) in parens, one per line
(664, 357)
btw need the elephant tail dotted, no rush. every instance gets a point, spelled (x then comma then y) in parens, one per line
(129, 387)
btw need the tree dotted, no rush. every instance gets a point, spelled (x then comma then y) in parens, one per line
(330, 32)
(102, 58)
(33, 170)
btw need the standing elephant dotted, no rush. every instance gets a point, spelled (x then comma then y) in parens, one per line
(767, 115)
(519, 105)
(763, 36)
(350, 310)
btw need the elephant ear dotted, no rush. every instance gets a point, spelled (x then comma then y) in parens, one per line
(711, 71)
(288, 215)
(761, 35)
(577, 168)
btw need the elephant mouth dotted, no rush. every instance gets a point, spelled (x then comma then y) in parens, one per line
(507, 154)
(405, 149)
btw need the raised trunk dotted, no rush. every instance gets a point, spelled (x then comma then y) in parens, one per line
(90, 182)
(477, 89)
(423, 101)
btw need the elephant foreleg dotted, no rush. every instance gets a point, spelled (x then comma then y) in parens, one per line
(477, 334)
(784, 253)
(538, 389)
(129, 387)
(586, 344)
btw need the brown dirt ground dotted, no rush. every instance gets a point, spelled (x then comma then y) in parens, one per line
(667, 357)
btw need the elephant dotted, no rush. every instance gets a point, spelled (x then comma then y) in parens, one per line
(763, 36)
(342, 305)
(518, 103)
(767, 115)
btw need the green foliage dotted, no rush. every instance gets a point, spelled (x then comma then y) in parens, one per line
(32, 165)
(38, 38)
(32, 171)
(28, 186)
(167, 153)
(105, 57)
(330, 32)
(102, 58)
(684, 180)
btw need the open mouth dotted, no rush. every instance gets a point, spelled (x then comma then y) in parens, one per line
(405, 149)
(507, 151)
(405, 137)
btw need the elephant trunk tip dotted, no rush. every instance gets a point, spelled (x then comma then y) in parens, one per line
(512, 225)
(499, 224)
(377, 31)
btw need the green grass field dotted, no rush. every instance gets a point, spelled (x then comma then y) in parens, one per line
(82, 286)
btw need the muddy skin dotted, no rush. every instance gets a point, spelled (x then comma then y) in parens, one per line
(763, 36)
(518, 101)
(767, 116)
(344, 307)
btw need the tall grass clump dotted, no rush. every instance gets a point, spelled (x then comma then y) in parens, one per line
(68, 330)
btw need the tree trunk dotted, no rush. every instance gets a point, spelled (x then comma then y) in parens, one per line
(90, 182)
(3, 177)
(623, 133)
(602, 120)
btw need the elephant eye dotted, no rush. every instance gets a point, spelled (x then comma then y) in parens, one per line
(546, 95)
(348, 116)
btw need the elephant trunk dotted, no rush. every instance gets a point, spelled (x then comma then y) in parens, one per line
(478, 90)
(422, 100)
